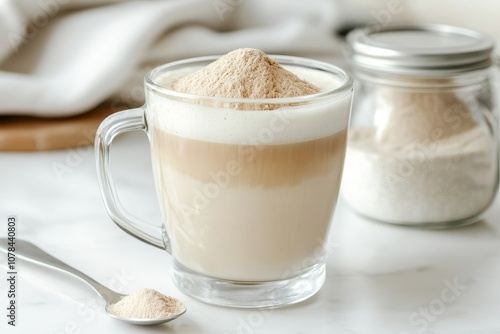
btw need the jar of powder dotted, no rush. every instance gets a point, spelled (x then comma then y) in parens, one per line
(423, 143)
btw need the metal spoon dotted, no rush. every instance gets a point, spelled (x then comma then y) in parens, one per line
(29, 252)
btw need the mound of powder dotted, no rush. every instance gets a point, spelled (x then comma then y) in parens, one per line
(146, 304)
(405, 118)
(244, 73)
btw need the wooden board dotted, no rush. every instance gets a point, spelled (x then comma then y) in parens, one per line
(24, 133)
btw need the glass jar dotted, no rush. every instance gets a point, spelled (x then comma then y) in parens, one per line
(423, 142)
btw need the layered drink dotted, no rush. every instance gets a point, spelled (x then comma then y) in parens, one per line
(248, 188)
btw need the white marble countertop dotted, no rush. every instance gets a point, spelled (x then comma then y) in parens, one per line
(380, 278)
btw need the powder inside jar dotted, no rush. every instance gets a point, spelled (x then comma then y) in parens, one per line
(425, 159)
(405, 117)
(146, 304)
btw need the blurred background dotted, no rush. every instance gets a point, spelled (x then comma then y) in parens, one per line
(76, 61)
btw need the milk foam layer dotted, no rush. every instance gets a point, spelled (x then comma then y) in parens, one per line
(232, 126)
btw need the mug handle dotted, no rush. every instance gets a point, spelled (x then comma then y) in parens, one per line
(113, 125)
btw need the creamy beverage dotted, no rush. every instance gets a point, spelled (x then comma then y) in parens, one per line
(247, 152)
(248, 194)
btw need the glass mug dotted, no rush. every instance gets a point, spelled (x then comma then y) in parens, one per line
(246, 187)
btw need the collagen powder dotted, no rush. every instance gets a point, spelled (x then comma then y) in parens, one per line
(424, 162)
(146, 304)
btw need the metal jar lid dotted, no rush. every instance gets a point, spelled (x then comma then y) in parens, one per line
(416, 50)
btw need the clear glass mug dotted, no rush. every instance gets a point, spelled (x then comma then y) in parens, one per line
(246, 187)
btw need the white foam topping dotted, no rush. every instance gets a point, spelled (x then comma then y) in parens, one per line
(314, 120)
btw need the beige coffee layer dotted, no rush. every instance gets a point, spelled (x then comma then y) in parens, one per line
(264, 166)
(248, 234)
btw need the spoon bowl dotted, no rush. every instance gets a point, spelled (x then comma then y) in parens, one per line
(29, 252)
(145, 321)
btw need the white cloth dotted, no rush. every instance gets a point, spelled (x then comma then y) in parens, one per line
(63, 57)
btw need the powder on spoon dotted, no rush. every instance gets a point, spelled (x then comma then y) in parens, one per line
(146, 304)
(244, 73)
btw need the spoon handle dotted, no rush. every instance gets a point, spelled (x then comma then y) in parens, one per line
(29, 252)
